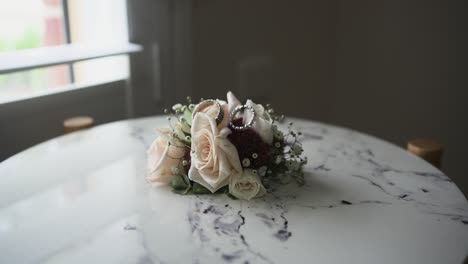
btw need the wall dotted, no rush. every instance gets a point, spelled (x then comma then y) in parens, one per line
(161, 74)
(394, 69)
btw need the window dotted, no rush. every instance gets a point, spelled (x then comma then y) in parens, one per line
(32, 24)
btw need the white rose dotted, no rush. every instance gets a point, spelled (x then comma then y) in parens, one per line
(233, 102)
(247, 186)
(263, 121)
(164, 155)
(214, 158)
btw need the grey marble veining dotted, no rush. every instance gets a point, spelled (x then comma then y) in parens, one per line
(82, 198)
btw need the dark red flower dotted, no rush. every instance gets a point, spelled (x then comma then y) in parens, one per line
(248, 142)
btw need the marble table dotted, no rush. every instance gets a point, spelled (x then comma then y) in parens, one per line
(82, 198)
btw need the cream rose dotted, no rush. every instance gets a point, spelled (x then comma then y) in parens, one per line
(262, 123)
(247, 186)
(164, 156)
(214, 158)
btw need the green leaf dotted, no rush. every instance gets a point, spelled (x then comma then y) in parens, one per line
(186, 179)
(188, 116)
(182, 191)
(232, 196)
(179, 184)
(224, 189)
(199, 189)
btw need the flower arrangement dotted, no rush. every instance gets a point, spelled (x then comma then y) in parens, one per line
(225, 147)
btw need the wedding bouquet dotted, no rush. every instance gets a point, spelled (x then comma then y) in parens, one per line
(225, 147)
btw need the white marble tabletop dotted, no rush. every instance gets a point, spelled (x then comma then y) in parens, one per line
(82, 198)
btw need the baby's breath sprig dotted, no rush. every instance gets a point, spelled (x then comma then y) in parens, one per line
(274, 116)
(180, 121)
(286, 154)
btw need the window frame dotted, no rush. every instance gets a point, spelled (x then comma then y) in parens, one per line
(66, 54)
(66, 25)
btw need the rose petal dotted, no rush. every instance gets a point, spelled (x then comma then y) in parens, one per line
(233, 102)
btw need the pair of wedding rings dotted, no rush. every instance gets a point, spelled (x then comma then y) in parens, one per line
(220, 114)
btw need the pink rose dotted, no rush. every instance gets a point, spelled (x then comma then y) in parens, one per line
(164, 158)
(214, 158)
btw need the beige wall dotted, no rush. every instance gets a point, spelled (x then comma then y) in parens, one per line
(394, 69)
